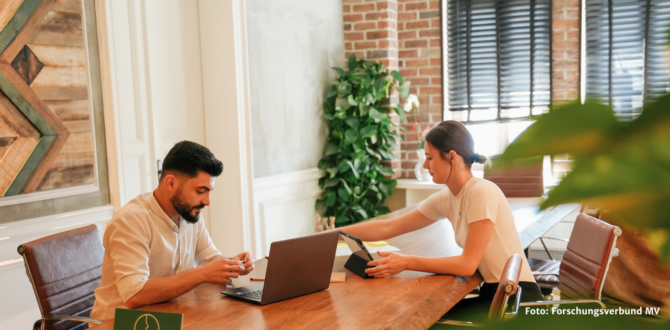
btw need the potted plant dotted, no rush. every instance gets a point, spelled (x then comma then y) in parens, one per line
(361, 138)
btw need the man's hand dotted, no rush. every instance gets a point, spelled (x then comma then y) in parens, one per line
(392, 264)
(221, 271)
(247, 261)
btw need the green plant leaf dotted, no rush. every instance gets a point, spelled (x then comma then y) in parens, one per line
(353, 169)
(351, 100)
(363, 109)
(332, 91)
(351, 134)
(369, 98)
(352, 62)
(332, 171)
(404, 89)
(397, 76)
(330, 183)
(343, 193)
(352, 122)
(342, 104)
(328, 117)
(331, 149)
(385, 170)
(401, 113)
(360, 211)
(341, 220)
(343, 167)
(344, 89)
(330, 198)
(574, 128)
(340, 72)
(377, 115)
(368, 131)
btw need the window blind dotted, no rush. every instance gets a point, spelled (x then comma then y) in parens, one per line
(499, 59)
(626, 53)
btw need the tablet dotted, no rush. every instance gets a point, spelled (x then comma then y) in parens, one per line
(356, 246)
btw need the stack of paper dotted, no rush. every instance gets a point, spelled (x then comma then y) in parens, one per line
(373, 247)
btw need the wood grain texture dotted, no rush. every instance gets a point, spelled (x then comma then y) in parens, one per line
(61, 77)
(7, 10)
(409, 300)
(65, 177)
(41, 8)
(58, 56)
(69, 6)
(61, 94)
(57, 39)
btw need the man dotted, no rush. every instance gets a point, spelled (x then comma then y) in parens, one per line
(154, 244)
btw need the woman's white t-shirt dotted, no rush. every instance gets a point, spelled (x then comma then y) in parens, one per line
(478, 200)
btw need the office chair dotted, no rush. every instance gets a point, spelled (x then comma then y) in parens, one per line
(64, 270)
(581, 275)
(509, 285)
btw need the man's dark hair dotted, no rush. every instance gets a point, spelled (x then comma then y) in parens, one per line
(189, 158)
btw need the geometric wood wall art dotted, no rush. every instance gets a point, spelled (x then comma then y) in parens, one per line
(46, 135)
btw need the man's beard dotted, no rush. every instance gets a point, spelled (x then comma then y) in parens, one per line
(184, 209)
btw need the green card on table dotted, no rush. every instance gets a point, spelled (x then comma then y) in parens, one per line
(130, 319)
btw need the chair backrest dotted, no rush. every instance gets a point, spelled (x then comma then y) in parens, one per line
(508, 285)
(525, 180)
(64, 270)
(587, 258)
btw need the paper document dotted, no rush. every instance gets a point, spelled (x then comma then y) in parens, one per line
(345, 251)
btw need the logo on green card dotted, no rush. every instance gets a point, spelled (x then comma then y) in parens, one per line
(129, 319)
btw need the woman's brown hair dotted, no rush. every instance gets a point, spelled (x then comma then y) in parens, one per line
(452, 135)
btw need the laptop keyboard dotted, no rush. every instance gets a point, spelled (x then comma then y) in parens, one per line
(255, 295)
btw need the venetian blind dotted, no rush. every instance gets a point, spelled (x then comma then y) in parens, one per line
(499, 59)
(626, 53)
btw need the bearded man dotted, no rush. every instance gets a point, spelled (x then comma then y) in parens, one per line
(156, 246)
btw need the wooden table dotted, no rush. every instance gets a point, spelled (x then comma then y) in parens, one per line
(409, 300)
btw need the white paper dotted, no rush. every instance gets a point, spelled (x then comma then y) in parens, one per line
(345, 251)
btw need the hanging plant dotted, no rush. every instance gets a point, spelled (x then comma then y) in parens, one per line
(361, 136)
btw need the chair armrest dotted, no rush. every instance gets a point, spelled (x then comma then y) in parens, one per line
(40, 323)
(458, 323)
(563, 302)
(555, 238)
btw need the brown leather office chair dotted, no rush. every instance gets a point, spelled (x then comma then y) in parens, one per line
(581, 275)
(509, 285)
(522, 180)
(64, 270)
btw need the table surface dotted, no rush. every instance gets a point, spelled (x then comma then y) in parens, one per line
(409, 300)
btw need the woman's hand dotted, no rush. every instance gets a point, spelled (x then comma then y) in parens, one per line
(392, 263)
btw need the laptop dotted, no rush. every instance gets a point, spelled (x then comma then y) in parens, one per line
(296, 267)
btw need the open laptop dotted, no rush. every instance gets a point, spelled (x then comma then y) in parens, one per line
(296, 267)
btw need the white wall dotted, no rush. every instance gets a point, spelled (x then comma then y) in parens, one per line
(292, 46)
(175, 72)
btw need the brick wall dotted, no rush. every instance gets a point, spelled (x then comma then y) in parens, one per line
(565, 50)
(406, 35)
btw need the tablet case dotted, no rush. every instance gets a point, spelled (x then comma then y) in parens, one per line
(358, 265)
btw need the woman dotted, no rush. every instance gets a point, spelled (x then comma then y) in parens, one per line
(482, 220)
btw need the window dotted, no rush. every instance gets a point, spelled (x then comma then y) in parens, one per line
(498, 60)
(626, 53)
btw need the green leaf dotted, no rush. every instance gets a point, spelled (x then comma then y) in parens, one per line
(360, 211)
(343, 193)
(401, 113)
(344, 89)
(342, 104)
(331, 149)
(351, 100)
(352, 122)
(351, 134)
(353, 169)
(352, 62)
(385, 170)
(330, 198)
(332, 91)
(377, 115)
(343, 167)
(363, 109)
(369, 131)
(340, 72)
(397, 76)
(328, 117)
(341, 220)
(332, 171)
(330, 183)
(369, 99)
(578, 129)
(404, 89)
